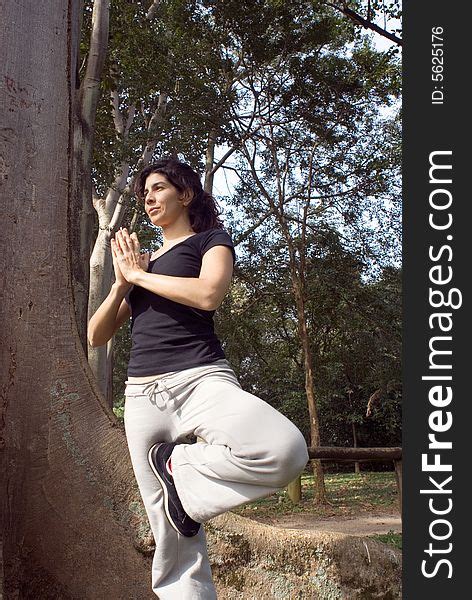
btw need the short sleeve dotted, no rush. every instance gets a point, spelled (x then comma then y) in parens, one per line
(217, 237)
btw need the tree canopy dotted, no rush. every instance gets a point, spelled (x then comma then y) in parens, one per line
(298, 107)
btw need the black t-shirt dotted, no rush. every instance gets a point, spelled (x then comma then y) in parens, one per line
(166, 335)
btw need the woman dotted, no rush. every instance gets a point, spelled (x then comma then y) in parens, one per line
(179, 382)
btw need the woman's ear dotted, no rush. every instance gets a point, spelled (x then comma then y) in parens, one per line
(187, 197)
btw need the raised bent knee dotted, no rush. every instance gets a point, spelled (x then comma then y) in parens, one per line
(292, 457)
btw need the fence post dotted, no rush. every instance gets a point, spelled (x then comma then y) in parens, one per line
(294, 490)
(398, 475)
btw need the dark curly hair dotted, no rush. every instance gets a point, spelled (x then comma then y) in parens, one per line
(203, 210)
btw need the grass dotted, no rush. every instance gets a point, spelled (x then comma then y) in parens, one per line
(349, 494)
(391, 538)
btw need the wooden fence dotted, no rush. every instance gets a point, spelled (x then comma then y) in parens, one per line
(353, 455)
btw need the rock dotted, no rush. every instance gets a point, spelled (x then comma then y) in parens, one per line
(251, 560)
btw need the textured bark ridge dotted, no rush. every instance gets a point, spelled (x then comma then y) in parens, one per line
(252, 560)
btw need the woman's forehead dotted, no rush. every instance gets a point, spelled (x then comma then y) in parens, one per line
(155, 178)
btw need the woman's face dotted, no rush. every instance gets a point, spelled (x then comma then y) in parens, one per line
(163, 202)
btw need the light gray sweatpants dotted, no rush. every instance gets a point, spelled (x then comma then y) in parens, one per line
(250, 450)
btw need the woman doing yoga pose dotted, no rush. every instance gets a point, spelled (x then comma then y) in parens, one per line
(180, 383)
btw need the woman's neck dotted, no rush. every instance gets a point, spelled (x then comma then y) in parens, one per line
(172, 233)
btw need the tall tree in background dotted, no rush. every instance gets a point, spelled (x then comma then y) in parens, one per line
(317, 156)
(85, 96)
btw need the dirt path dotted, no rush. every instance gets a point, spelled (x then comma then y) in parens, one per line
(353, 525)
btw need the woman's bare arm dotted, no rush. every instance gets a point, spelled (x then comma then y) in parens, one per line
(110, 316)
(205, 292)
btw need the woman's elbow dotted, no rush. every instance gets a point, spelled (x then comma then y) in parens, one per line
(211, 301)
(211, 306)
(94, 343)
(93, 340)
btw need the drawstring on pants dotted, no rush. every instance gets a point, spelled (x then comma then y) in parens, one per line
(156, 389)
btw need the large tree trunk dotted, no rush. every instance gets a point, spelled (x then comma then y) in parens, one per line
(297, 274)
(297, 277)
(69, 503)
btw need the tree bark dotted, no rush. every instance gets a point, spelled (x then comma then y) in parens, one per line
(71, 513)
(320, 496)
(209, 162)
(294, 490)
(81, 214)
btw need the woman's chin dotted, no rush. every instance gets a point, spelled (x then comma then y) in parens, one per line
(156, 220)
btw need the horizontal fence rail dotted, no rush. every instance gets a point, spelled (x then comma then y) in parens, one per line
(336, 453)
(355, 454)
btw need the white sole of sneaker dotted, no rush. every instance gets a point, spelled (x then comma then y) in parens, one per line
(164, 491)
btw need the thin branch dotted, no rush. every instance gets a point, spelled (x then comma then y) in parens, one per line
(117, 116)
(209, 160)
(151, 13)
(134, 220)
(227, 167)
(233, 149)
(129, 121)
(241, 238)
(367, 24)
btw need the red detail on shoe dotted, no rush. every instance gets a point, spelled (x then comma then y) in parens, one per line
(169, 466)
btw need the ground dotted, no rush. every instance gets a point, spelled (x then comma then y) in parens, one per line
(356, 525)
(362, 504)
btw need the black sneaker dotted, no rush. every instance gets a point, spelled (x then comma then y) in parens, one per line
(158, 456)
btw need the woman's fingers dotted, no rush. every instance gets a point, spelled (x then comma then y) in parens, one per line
(126, 257)
(135, 241)
(114, 249)
(123, 241)
(128, 241)
(124, 234)
(127, 246)
(120, 242)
